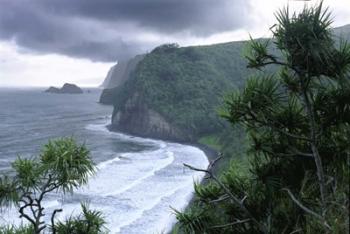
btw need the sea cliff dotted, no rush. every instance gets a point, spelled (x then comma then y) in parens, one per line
(174, 92)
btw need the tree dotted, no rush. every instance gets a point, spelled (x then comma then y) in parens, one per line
(298, 123)
(62, 166)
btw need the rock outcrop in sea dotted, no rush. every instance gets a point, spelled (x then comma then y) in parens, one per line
(66, 89)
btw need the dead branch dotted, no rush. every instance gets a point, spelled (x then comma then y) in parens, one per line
(304, 208)
(231, 224)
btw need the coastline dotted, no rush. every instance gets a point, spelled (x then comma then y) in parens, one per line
(211, 155)
(209, 152)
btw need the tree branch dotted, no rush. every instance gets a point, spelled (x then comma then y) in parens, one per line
(231, 224)
(24, 215)
(304, 208)
(222, 198)
(277, 154)
(317, 157)
(233, 198)
(53, 220)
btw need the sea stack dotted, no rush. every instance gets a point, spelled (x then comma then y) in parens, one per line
(66, 89)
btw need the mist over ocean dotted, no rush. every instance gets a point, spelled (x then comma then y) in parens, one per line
(138, 179)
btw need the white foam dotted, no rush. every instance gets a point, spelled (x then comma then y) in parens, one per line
(104, 164)
(158, 167)
(134, 191)
(102, 127)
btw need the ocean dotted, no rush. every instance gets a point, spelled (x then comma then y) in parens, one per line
(138, 180)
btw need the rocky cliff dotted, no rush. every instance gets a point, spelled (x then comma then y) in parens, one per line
(174, 93)
(136, 118)
(343, 32)
(120, 72)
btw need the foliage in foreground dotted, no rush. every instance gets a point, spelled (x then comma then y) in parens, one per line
(298, 123)
(62, 166)
(17, 230)
(89, 221)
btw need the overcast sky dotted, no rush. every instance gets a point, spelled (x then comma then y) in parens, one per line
(45, 43)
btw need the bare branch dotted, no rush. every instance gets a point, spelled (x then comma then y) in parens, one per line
(295, 150)
(304, 208)
(53, 220)
(222, 198)
(231, 224)
(287, 154)
(24, 215)
(212, 163)
(243, 199)
(197, 169)
(296, 231)
(317, 157)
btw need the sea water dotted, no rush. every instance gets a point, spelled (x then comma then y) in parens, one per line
(138, 180)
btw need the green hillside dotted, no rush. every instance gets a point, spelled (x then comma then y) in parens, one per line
(185, 85)
(175, 92)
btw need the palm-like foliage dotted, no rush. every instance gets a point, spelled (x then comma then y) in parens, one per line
(8, 191)
(69, 164)
(298, 126)
(63, 165)
(90, 221)
(194, 221)
(17, 230)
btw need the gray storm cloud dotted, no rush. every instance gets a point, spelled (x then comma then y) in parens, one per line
(107, 30)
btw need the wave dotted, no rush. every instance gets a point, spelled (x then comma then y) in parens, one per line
(161, 165)
(159, 206)
(135, 190)
(102, 127)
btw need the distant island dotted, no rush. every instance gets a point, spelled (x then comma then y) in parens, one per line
(66, 88)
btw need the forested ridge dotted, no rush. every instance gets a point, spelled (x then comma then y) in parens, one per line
(187, 85)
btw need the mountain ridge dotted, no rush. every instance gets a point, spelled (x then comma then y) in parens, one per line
(174, 93)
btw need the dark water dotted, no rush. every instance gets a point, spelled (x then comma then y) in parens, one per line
(30, 117)
(138, 179)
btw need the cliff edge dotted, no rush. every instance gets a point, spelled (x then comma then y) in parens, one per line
(174, 92)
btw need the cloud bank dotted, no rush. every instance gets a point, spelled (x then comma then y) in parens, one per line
(107, 30)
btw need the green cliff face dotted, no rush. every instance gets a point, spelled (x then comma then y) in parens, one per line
(174, 93)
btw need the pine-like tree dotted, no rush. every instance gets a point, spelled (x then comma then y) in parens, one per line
(298, 125)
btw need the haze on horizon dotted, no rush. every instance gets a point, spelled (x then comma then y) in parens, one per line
(44, 43)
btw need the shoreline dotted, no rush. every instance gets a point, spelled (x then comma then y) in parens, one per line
(209, 152)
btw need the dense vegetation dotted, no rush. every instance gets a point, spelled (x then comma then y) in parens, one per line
(298, 125)
(62, 166)
(186, 85)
